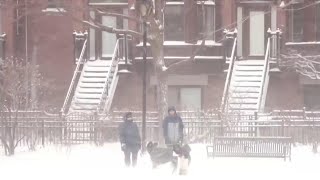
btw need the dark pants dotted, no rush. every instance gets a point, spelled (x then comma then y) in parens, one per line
(131, 156)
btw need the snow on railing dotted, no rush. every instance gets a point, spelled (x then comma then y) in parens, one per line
(112, 73)
(230, 69)
(74, 77)
(265, 77)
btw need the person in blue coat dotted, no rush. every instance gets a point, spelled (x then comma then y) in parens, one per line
(130, 139)
(173, 128)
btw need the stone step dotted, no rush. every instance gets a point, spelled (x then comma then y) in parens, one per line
(246, 79)
(250, 62)
(86, 101)
(244, 89)
(243, 101)
(244, 95)
(87, 96)
(248, 68)
(90, 90)
(243, 106)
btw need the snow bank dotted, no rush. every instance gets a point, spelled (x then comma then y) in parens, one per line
(86, 162)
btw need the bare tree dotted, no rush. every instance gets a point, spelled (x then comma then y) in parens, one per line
(15, 87)
(306, 63)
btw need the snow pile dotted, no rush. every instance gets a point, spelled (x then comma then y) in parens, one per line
(86, 162)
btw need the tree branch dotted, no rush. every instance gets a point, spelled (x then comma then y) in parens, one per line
(305, 65)
(19, 141)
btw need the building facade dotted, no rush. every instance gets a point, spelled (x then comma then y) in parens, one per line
(43, 33)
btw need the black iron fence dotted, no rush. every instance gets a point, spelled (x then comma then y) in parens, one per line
(38, 128)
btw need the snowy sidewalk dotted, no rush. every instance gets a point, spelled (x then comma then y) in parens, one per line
(86, 162)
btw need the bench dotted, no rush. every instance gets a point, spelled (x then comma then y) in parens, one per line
(264, 147)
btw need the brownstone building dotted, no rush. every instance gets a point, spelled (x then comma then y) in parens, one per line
(42, 31)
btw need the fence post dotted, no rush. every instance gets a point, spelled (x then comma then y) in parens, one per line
(42, 133)
(282, 129)
(304, 113)
(95, 128)
(255, 124)
(221, 124)
(95, 132)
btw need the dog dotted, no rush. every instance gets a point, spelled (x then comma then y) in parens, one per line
(162, 155)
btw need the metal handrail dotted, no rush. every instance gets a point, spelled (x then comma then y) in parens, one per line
(80, 61)
(229, 75)
(265, 71)
(113, 67)
(112, 85)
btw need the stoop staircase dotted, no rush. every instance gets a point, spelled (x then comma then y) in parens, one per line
(95, 81)
(93, 84)
(247, 82)
(246, 85)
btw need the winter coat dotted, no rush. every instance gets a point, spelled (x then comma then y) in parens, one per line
(173, 129)
(129, 134)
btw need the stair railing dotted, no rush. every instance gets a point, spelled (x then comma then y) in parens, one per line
(112, 73)
(73, 83)
(266, 68)
(232, 60)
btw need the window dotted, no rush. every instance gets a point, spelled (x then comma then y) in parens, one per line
(174, 21)
(174, 27)
(108, 1)
(206, 29)
(318, 22)
(92, 39)
(1, 31)
(2, 40)
(312, 97)
(296, 23)
(2, 47)
(54, 6)
(185, 97)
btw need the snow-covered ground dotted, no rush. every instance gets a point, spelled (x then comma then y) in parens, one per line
(86, 162)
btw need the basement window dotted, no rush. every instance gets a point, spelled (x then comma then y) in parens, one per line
(55, 6)
(185, 97)
(312, 97)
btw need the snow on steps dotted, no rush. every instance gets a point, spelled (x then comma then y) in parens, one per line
(90, 86)
(245, 86)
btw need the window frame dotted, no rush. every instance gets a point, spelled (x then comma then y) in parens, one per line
(53, 9)
(317, 21)
(175, 5)
(291, 22)
(207, 4)
(97, 34)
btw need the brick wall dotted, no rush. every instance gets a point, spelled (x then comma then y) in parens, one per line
(129, 90)
(284, 92)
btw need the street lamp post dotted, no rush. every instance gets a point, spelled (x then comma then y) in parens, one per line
(145, 8)
(144, 85)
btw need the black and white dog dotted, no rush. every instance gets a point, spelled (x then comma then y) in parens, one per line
(162, 155)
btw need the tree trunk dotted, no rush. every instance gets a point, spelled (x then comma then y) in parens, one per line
(162, 87)
(156, 38)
